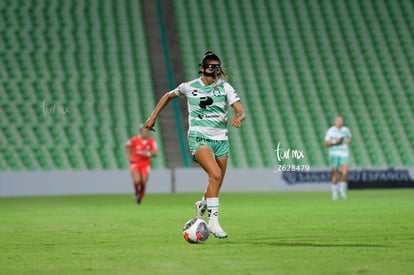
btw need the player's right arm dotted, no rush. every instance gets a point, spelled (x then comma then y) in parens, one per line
(165, 99)
(128, 151)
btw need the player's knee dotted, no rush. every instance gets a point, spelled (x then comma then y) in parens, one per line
(215, 176)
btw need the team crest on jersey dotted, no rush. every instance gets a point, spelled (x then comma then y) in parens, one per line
(216, 91)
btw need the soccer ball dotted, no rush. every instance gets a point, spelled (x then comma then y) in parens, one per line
(196, 231)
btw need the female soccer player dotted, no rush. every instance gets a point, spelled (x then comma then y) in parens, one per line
(208, 99)
(337, 138)
(139, 151)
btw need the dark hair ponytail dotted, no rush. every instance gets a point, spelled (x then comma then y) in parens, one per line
(209, 56)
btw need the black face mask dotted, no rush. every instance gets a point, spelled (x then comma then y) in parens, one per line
(216, 70)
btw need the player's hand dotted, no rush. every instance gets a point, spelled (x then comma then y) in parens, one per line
(236, 121)
(149, 124)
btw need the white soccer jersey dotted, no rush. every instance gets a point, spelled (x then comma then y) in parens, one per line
(208, 107)
(332, 135)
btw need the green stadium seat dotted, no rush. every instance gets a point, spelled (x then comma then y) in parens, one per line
(313, 48)
(306, 60)
(45, 61)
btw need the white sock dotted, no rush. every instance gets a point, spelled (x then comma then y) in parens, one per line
(342, 187)
(334, 190)
(213, 209)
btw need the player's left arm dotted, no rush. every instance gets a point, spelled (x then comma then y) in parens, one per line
(240, 115)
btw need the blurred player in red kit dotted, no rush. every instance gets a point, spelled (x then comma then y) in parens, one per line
(139, 151)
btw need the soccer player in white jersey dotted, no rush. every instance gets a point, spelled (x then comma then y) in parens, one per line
(208, 99)
(337, 139)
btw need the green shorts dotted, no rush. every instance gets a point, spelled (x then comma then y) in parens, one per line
(220, 148)
(337, 161)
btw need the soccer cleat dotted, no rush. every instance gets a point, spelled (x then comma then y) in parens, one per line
(137, 200)
(201, 207)
(334, 196)
(343, 195)
(217, 231)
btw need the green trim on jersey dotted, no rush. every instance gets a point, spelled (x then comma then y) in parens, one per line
(209, 123)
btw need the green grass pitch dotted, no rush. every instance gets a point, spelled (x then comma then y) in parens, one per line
(269, 233)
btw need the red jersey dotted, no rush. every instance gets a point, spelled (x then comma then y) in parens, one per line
(141, 145)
